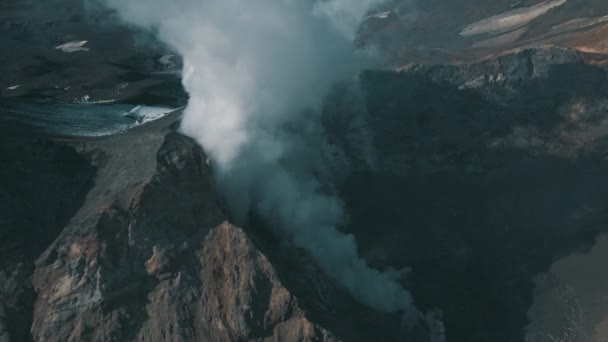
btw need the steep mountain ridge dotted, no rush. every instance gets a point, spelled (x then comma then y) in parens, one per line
(149, 255)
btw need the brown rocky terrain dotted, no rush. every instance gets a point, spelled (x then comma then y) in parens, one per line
(464, 31)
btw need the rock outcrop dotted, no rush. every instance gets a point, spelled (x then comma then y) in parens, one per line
(124, 238)
(147, 255)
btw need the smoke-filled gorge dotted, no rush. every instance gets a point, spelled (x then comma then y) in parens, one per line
(256, 73)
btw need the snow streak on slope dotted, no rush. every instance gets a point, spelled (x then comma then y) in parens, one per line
(510, 20)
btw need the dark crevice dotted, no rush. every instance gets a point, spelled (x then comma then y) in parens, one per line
(42, 185)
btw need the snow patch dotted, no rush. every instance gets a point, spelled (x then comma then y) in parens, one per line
(73, 46)
(166, 60)
(143, 114)
(381, 15)
(510, 20)
(86, 99)
(579, 23)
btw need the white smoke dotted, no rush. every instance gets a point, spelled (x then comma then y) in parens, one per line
(256, 72)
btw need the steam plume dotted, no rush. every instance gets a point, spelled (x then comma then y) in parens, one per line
(256, 72)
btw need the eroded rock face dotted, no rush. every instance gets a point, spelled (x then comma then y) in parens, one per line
(149, 256)
(140, 249)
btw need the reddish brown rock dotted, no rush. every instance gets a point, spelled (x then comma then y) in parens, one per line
(149, 256)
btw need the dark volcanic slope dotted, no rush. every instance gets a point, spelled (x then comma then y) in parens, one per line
(483, 175)
(114, 64)
(43, 185)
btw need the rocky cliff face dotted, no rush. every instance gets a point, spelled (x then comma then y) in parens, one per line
(148, 254)
(124, 238)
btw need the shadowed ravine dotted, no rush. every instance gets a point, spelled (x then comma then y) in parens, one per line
(481, 187)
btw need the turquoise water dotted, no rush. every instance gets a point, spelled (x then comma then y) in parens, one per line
(72, 119)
